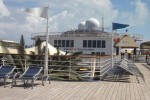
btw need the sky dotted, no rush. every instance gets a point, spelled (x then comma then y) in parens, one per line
(67, 14)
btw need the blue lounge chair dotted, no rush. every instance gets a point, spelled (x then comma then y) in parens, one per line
(6, 72)
(31, 73)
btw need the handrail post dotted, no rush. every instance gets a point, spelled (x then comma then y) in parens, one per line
(94, 65)
(3, 60)
(25, 62)
(70, 69)
(100, 68)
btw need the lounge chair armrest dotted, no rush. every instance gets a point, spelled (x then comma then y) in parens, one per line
(17, 75)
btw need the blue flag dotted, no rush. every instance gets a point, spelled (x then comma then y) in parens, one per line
(118, 26)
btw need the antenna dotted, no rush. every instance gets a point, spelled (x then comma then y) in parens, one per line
(102, 23)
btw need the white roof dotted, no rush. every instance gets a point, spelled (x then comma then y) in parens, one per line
(52, 50)
(9, 41)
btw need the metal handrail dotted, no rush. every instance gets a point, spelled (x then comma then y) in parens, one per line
(99, 65)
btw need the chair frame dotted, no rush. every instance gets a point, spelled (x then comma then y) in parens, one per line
(7, 75)
(26, 77)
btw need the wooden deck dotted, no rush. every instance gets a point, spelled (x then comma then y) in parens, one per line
(129, 88)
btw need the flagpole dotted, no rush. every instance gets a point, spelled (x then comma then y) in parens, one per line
(120, 40)
(46, 47)
(112, 49)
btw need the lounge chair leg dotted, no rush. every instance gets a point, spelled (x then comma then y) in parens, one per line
(49, 80)
(24, 83)
(45, 79)
(4, 82)
(32, 83)
(12, 83)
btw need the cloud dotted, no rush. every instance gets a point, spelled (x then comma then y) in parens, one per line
(71, 13)
(140, 15)
(3, 10)
(64, 15)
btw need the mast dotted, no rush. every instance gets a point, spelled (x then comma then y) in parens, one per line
(102, 23)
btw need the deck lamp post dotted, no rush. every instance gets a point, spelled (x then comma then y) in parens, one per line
(44, 13)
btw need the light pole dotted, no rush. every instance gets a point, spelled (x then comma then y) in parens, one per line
(112, 43)
(46, 47)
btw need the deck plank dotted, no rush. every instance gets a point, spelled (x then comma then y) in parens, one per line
(134, 89)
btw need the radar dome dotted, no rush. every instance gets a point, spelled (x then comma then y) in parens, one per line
(81, 25)
(92, 23)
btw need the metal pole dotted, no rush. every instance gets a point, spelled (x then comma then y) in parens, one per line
(46, 47)
(70, 69)
(112, 42)
(120, 36)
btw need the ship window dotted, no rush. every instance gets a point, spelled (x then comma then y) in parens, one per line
(103, 43)
(93, 53)
(94, 44)
(84, 43)
(63, 43)
(59, 43)
(98, 43)
(67, 43)
(71, 43)
(98, 53)
(55, 43)
(102, 53)
(89, 43)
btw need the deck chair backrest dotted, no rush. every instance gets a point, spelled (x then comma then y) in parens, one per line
(7, 69)
(33, 70)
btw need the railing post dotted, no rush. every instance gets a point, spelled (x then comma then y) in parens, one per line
(70, 69)
(3, 60)
(100, 68)
(25, 62)
(94, 65)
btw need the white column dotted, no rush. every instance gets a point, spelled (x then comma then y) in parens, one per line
(46, 47)
(112, 43)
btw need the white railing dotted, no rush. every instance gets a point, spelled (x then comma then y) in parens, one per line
(70, 67)
(61, 34)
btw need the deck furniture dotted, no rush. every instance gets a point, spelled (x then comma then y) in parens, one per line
(31, 73)
(6, 72)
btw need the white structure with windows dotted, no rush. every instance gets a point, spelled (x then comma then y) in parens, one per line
(87, 41)
(88, 38)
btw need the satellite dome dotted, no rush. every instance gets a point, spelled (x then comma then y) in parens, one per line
(81, 25)
(92, 23)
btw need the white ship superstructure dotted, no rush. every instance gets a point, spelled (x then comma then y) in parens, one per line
(88, 38)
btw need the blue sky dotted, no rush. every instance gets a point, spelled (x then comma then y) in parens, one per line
(67, 14)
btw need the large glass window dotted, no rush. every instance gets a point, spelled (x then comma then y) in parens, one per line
(102, 53)
(59, 43)
(98, 43)
(89, 43)
(98, 53)
(84, 43)
(71, 43)
(55, 43)
(67, 43)
(93, 53)
(103, 43)
(94, 44)
(63, 43)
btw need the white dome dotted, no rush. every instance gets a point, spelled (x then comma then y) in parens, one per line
(92, 23)
(81, 25)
